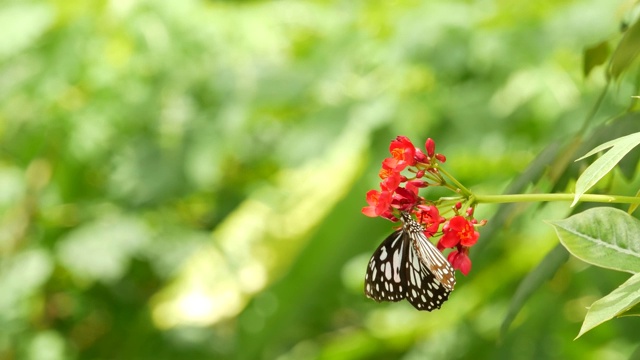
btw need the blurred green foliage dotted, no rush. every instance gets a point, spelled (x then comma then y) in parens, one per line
(183, 179)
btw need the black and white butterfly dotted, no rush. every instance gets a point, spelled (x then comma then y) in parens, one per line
(407, 265)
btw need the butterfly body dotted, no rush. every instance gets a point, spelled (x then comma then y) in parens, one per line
(407, 265)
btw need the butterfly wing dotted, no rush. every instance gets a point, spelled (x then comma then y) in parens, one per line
(434, 261)
(429, 255)
(386, 276)
(396, 271)
(424, 291)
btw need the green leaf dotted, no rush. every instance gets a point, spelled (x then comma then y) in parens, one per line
(633, 311)
(604, 237)
(623, 125)
(626, 52)
(26, 23)
(594, 56)
(621, 141)
(101, 250)
(618, 301)
(601, 167)
(532, 282)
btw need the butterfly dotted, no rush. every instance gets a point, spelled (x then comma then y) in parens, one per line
(407, 265)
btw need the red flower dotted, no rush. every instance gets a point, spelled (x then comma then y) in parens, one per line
(379, 203)
(386, 171)
(459, 259)
(458, 231)
(404, 199)
(402, 152)
(391, 182)
(392, 164)
(372, 200)
(430, 217)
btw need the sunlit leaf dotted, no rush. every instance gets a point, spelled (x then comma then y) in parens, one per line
(102, 250)
(633, 311)
(618, 301)
(25, 22)
(622, 141)
(601, 167)
(21, 276)
(620, 126)
(602, 236)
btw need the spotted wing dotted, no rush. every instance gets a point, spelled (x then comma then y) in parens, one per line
(386, 276)
(395, 272)
(424, 291)
(433, 259)
(428, 254)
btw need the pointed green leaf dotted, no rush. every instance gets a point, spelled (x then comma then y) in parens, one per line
(623, 125)
(621, 141)
(594, 56)
(602, 166)
(532, 282)
(618, 301)
(626, 52)
(604, 237)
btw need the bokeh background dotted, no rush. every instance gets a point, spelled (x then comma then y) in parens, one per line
(184, 179)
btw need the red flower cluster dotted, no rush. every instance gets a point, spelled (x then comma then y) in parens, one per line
(399, 193)
(459, 233)
(392, 194)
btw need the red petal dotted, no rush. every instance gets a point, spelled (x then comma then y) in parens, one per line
(458, 223)
(420, 156)
(403, 150)
(391, 182)
(369, 211)
(452, 256)
(471, 239)
(463, 263)
(449, 240)
(372, 197)
(460, 260)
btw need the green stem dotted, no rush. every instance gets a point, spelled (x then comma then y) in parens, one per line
(463, 189)
(495, 199)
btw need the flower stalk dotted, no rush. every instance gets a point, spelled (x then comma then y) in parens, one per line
(514, 198)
